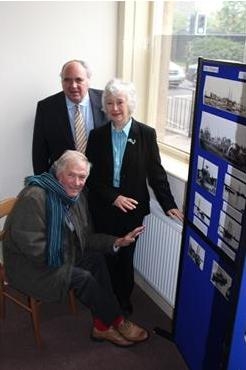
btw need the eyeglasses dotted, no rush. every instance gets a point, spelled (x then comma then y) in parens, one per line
(71, 81)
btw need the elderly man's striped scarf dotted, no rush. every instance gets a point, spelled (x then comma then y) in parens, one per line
(56, 202)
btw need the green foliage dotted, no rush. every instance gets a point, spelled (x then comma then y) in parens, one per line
(225, 36)
(231, 17)
(180, 23)
(216, 48)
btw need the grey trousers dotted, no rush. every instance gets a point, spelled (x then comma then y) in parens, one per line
(92, 287)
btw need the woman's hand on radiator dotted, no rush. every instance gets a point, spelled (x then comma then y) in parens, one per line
(176, 213)
(129, 238)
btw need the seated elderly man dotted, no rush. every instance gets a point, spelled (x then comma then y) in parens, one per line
(50, 248)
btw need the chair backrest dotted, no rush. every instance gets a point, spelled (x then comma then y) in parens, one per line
(6, 206)
(32, 305)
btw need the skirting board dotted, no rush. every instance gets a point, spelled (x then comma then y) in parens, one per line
(155, 296)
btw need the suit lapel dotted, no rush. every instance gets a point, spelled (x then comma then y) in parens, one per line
(64, 122)
(96, 107)
(131, 146)
(107, 148)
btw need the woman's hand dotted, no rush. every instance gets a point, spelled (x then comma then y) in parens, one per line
(176, 213)
(125, 204)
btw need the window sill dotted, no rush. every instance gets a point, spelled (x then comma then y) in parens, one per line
(176, 167)
(175, 162)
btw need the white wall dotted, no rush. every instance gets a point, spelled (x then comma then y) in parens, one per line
(36, 39)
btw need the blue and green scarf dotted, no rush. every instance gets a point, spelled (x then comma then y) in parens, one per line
(56, 202)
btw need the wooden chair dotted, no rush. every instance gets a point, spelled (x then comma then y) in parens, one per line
(28, 303)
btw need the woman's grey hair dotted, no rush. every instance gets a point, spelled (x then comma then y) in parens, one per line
(82, 62)
(70, 156)
(117, 86)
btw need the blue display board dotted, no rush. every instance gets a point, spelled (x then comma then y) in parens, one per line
(237, 359)
(213, 247)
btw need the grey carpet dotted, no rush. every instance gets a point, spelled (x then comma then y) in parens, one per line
(67, 343)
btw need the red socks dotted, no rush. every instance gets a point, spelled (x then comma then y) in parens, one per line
(99, 324)
(117, 321)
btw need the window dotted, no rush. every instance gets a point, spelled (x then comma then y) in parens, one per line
(159, 45)
(196, 29)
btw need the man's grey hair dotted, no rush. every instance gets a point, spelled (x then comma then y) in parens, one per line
(117, 86)
(70, 156)
(81, 62)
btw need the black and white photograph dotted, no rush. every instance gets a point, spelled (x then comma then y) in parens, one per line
(226, 95)
(226, 249)
(221, 280)
(236, 173)
(200, 225)
(234, 192)
(196, 253)
(202, 208)
(232, 212)
(207, 174)
(229, 230)
(224, 138)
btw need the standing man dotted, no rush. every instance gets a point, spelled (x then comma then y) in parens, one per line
(54, 128)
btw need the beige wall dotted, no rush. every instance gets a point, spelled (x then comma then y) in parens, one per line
(36, 38)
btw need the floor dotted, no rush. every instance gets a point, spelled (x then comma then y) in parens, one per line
(67, 343)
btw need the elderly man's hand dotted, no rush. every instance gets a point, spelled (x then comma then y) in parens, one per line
(129, 238)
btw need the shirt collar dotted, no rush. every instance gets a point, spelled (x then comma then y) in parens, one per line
(84, 102)
(125, 129)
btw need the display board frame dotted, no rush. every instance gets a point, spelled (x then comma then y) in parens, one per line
(213, 251)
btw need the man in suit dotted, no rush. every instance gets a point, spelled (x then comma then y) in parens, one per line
(50, 248)
(124, 156)
(54, 130)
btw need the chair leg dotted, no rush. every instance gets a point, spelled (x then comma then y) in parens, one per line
(72, 302)
(2, 302)
(34, 305)
(2, 297)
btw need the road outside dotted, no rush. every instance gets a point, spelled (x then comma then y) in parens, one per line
(186, 88)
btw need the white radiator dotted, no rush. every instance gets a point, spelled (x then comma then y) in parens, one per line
(156, 259)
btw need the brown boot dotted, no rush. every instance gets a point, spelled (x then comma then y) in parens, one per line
(132, 332)
(111, 335)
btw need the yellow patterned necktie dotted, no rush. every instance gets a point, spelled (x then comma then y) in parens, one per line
(80, 133)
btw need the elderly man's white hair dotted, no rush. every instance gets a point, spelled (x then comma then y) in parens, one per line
(70, 156)
(117, 86)
(81, 62)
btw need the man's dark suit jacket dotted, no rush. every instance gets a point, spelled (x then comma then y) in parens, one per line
(52, 132)
(141, 163)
